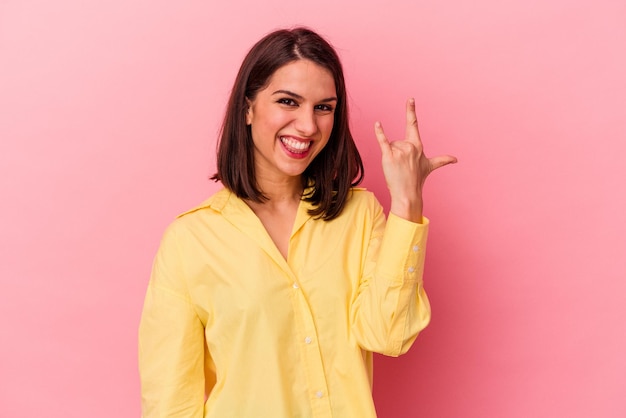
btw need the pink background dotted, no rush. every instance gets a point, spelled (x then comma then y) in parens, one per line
(108, 119)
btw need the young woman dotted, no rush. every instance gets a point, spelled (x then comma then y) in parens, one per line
(268, 299)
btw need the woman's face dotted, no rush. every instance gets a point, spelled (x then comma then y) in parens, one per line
(291, 119)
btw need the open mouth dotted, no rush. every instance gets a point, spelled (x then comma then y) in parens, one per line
(296, 147)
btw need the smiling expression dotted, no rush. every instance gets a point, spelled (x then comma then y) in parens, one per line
(291, 119)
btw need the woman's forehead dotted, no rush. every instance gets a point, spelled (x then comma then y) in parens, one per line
(302, 76)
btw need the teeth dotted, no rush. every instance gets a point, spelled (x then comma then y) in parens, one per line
(295, 146)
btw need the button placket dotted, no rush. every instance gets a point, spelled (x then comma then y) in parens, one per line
(311, 354)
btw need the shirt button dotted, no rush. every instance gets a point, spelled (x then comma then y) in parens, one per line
(319, 394)
(411, 269)
(295, 286)
(416, 248)
(308, 340)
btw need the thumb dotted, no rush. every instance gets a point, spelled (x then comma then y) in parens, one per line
(440, 161)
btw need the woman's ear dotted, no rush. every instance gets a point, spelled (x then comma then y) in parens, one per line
(248, 112)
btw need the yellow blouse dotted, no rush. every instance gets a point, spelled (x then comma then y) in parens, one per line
(232, 329)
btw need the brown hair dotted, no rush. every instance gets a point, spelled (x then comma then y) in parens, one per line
(336, 169)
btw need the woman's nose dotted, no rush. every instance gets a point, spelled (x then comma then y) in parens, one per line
(306, 123)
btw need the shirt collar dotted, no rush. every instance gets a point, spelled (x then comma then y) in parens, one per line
(224, 200)
(216, 202)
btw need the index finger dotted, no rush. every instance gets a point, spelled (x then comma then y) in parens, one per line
(412, 132)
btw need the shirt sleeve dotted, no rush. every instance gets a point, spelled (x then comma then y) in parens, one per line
(171, 341)
(391, 306)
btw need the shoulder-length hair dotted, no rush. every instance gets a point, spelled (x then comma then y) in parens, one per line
(336, 169)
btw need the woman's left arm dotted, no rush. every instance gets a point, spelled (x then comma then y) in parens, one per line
(391, 306)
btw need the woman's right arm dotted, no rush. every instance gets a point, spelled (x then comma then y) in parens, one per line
(171, 341)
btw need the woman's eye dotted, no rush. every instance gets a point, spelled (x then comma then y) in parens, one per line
(324, 108)
(288, 102)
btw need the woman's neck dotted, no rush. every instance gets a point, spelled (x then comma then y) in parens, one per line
(281, 190)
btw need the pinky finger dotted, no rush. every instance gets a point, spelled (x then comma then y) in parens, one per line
(385, 147)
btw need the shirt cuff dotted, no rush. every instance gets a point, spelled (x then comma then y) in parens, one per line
(403, 250)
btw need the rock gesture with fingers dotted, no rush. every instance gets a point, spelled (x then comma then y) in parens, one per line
(406, 167)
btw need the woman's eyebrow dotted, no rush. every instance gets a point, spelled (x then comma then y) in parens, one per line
(297, 96)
